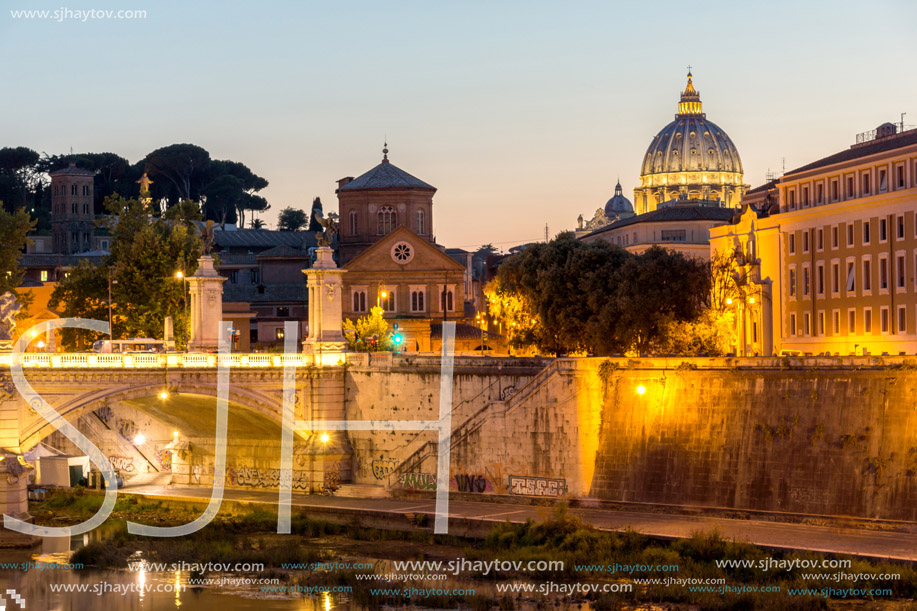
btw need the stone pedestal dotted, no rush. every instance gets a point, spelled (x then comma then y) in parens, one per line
(325, 282)
(206, 290)
(14, 500)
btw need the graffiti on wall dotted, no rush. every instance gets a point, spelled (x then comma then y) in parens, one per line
(383, 468)
(127, 428)
(122, 463)
(468, 482)
(164, 456)
(264, 478)
(418, 481)
(104, 414)
(537, 486)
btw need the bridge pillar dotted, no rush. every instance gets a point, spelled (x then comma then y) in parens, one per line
(14, 499)
(206, 289)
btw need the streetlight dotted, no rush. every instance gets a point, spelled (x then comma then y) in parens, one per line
(641, 390)
(164, 395)
(181, 276)
(140, 439)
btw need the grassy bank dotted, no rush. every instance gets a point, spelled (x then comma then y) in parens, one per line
(252, 538)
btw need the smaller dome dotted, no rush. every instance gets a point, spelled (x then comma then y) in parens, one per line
(618, 204)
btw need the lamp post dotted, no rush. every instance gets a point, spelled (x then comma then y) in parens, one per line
(181, 276)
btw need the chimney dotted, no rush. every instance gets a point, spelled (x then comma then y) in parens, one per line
(344, 181)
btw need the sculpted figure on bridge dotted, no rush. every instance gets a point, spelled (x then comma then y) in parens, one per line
(9, 308)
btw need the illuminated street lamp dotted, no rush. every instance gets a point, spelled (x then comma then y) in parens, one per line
(164, 395)
(139, 439)
(325, 437)
(641, 390)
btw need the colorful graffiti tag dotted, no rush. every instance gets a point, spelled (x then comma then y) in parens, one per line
(418, 481)
(127, 429)
(467, 482)
(537, 486)
(383, 468)
(122, 463)
(164, 456)
(264, 478)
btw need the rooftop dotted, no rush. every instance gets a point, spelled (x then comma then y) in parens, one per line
(386, 175)
(676, 211)
(866, 149)
(262, 239)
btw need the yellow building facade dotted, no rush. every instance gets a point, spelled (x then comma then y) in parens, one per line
(837, 264)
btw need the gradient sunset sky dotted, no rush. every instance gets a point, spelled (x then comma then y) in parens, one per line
(520, 113)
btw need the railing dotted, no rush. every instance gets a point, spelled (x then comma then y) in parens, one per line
(65, 360)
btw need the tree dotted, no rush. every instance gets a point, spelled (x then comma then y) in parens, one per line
(292, 219)
(179, 164)
(369, 334)
(14, 229)
(231, 190)
(19, 178)
(257, 224)
(146, 253)
(316, 207)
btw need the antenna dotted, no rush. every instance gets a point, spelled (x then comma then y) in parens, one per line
(902, 120)
(545, 232)
(784, 166)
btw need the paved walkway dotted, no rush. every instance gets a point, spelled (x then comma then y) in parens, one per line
(872, 543)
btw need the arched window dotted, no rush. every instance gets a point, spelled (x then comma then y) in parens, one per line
(420, 222)
(446, 299)
(353, 222)
(359, 301)
(388, 220)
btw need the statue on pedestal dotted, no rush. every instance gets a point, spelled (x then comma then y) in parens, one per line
(330, 228)
(9, 308)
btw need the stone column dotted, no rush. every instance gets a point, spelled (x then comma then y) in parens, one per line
(14, 500)
(206, 290)
(325, 285)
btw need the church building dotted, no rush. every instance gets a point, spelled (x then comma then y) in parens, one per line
(386, 245)
(690, 158)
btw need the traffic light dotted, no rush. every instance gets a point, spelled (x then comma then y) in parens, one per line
(397, 338)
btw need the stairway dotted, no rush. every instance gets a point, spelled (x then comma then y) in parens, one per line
(162, 478)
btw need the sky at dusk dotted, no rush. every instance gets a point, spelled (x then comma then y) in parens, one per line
(520, 113)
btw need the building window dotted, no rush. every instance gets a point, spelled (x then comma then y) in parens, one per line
(283, 312)
(388, 220)
(866, 236)
(865, 183)
(805, 196)
(900, 272)
(72, 189)
(673, 235)
(867, 275)
(234, 276)
(420, 223)
(86, 190)
(883, 180)
(883, 273)
(44, 275)
(388, 302)
(850, 190)
(851, 276)
(805, 241)
(255, 276)
(85, 208)
(447, 299)
(807, 324)
(867, 320)
(835, 278)
(820, 279)
(417, 300)
(900, 224)
(793, 329)
(353, 222)
(792, 199)
(792, 243)
(820, 239)
(902, 319)
(883, 230)
(851, 322)
(836, 320)
(73, 208)
(834, 237)
(792, 282)
(834, 193)
(359, 301)
(821, 323)
(819, 193)
(883, 319)
(849, 234)
(899, 180)
(278, 333)
(805, 281)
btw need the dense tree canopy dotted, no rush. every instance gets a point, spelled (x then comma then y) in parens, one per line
(13, 230)
(292, 219)
(146, 253)
(567, 296)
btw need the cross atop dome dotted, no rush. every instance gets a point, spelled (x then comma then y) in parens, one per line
(385, 152)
